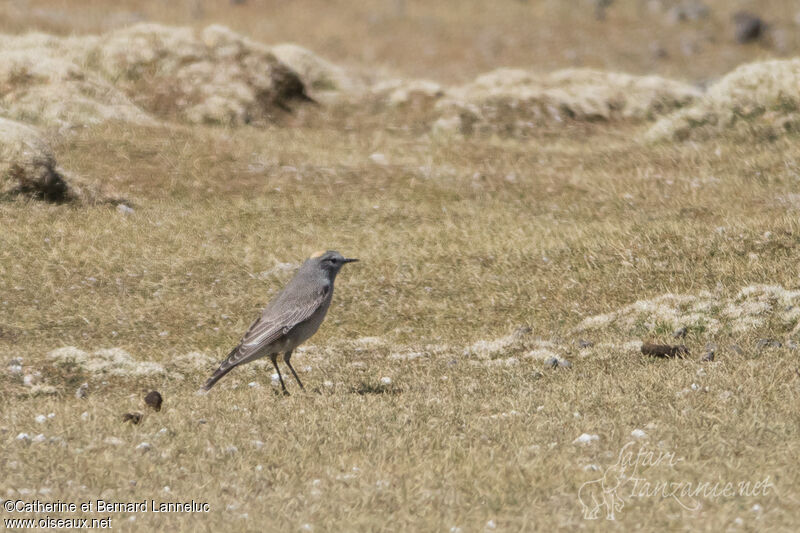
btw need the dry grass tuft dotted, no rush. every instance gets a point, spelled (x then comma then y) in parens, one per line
(513, 101)
(757, 100)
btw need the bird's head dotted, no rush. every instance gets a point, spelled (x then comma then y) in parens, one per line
(330, 262)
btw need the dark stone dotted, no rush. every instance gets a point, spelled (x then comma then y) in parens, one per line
(748, 27)
(154, 400)
(664, 350)
(133, 418)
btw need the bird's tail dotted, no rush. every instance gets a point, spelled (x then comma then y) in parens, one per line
(223, 369)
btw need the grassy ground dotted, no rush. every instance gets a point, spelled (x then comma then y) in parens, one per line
(453, 252)
(461, 240)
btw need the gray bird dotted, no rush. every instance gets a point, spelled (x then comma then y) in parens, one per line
(290, 319)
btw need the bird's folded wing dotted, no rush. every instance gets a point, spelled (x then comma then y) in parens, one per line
(271, 326)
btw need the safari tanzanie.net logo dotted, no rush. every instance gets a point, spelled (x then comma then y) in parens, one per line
(644, 473)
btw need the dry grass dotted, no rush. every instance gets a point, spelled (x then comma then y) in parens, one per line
(461, 240)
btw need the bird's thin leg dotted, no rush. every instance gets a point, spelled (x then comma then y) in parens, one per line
(286, 358)
(274, 358)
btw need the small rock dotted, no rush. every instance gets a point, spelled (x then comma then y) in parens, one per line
(747, 27)
(711, 350)
(555, 362)
(664, 350)
(378, 159)
(39, 438)
(537, 375)
(144, 446)
(638, 434)
(680, 333)
(202, 421)
(133, 418)
(583, 343)
(586, 438)
(386, 380)
(768, 343)
(40, 419)
(82, 392)
(591, 468)
(154, 400)
(792, 345)
(124, 209)
(254, 385)
(23, 437)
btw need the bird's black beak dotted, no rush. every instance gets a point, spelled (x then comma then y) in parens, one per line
(350, 260)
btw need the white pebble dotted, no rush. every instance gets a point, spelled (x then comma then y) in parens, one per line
(144, 446)
(378, 159)
(586, 438)
(85, 415)
(40, 419)
(386, 380)
(638, 434)
(254, 384)
(756, 508)
(257, 444)
(24, 437)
